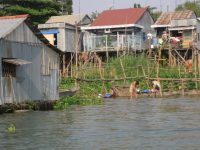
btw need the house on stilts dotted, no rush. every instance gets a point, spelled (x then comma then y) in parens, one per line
(29, 68)
(180, 32)
(118, 30)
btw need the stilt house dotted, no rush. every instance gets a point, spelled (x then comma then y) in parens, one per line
(180, 27)
(118, 29)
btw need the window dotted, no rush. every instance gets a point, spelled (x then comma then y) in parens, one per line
(8, 69)
(55, 42)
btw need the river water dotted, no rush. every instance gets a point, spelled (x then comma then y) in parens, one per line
(145, 124)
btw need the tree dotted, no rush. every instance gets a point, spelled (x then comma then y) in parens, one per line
(94, 15)
(136, 5)
(154, 12)
(194, 6)
(66, 6)
(39, 10)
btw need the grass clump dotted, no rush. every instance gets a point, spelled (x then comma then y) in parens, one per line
(67, 83)
(67, 101)
(87, 95)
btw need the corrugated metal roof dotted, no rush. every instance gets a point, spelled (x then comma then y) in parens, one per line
(182, 28)
(9, 23)
(166, 17)
(71, 19)
(183, 22)
(119, 17)
(15, 61)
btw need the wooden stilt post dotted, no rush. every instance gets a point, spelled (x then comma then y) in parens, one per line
(158, 70)
(195, 66)
(169, 51)
(118, 44)
(199, 63)
(182, 86)
(107, 48)
(63, 67)
(179, 69)
(76, 49)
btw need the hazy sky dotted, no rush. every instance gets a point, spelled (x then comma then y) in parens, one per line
(89, 6)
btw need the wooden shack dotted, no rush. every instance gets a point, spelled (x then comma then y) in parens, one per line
(185, 29)
(29, 68)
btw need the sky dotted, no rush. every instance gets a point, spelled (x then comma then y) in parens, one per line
(89, 6)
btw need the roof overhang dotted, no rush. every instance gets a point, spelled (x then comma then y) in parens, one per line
(182, 28)
(55, 25)
(111, 26)
(16, 61)
(160, 26)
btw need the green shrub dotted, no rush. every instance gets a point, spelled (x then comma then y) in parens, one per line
(67, 101)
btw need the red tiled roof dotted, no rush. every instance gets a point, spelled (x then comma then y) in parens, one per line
(14, 17)
(119, 17)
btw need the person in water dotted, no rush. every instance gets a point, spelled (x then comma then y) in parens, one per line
(134, 89)
(156, 87)
(113, 93)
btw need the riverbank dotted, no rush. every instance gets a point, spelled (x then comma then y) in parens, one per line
(123, 91)
(122, 71)
(34, 105)
(118, 73)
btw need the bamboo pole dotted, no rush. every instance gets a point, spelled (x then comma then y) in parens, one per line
(118, 44)
(195, 66)
(107, 48)
(177, 79)
(182, 87)
(123, 70)
(148, 74)
(142, 77)
(76, 49)
(180, 56)
(158, 66)
(186, 53)
(147, 81)
(64, 69)
(179, 69)
(170, 55)
(199, 63)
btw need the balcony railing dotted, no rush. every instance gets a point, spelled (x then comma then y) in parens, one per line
(113, 43)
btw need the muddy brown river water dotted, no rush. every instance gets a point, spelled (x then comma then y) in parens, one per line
(145, 124)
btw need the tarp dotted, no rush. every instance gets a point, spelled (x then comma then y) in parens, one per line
(49, 31)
